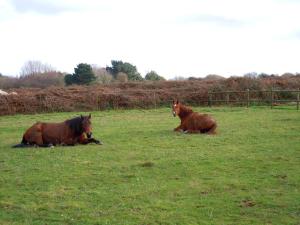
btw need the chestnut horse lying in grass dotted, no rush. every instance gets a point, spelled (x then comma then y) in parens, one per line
(70, 132)
(193, 122)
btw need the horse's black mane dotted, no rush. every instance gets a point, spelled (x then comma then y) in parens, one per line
(75, 125)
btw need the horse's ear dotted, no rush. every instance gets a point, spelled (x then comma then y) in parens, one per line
(90, 116)
(81, 117)
(177, 101)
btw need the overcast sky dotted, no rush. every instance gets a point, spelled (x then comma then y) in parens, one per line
(174, 38)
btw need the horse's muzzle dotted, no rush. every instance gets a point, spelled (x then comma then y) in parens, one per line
(89, 135)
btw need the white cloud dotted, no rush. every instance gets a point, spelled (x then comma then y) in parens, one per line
(43, 7)
(174, 38)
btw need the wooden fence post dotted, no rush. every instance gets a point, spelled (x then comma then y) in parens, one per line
(209, 99)
(227, 98)
(298, 98)
(154, 100)
(98, 103)
(272, 98)
(248, 98)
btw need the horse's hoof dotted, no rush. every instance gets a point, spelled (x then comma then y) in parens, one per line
(178, 130)
(99, 143)
(50, 145)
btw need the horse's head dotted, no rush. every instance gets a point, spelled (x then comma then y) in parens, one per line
(176, 108)
(87, 125)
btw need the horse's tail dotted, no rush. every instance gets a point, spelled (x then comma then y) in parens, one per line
(23, 144)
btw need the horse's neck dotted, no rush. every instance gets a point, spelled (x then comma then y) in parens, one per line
(75, 126)
(184, 112)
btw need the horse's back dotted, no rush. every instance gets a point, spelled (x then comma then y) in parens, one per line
(37, 127)
(200, 121)
(44, 133)
(54, 132)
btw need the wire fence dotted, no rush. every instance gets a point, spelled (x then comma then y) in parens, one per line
(255, 97)
(60, 100)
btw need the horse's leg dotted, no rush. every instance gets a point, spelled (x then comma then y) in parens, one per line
(191, 131)
(69, 142)
(83, 140)
(93, 140)
(23, 145)
(36, 139)
(49, 145)
(179, 128)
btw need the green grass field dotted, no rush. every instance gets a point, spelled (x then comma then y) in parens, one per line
(147, 174)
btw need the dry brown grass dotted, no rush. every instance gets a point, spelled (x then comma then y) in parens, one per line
(131, 94)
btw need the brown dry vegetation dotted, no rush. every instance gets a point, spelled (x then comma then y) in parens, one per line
(132, 94)
(41, 80)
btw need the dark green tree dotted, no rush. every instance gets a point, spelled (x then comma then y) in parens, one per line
(68, 79)
(124, 67)
(83, 75)
(153, 76)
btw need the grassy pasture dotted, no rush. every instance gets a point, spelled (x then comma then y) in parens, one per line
(147, 174)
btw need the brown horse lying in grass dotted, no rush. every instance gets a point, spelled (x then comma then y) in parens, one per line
(193, 122)
(70, 132)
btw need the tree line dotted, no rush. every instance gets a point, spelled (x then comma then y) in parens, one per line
(37, 74)
(85, 74)
(119, 71)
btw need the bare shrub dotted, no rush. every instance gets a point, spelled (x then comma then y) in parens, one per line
(102, 76)
(288, 75)
(179, 78)
(122, 77)
(8, 82)
(42, 80)
(214, 77)
(242, 83)
(251, 75)
(36, 81)
(34, 67)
